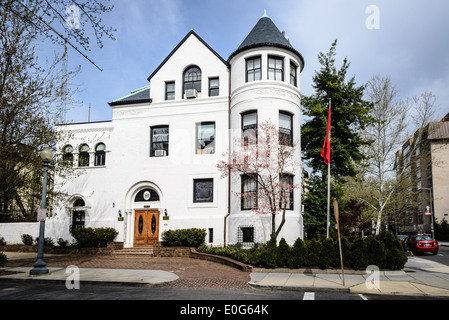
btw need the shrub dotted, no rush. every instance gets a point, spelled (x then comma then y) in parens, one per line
(94, 237)
(184, 237)
(48, 242)
(27, 239)
(283, 254)
(2, 241)
(395, 258)
(327, 256)
(375, 252)
(313, 253)
(3, 259)
(298, 253)
(63, 243)
(357, 259)
(268, 254)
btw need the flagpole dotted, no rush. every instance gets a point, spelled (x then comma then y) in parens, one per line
(328, 187)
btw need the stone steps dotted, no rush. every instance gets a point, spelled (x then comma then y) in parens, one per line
(136, 251)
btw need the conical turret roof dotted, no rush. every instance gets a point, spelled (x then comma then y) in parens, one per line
(266, 34)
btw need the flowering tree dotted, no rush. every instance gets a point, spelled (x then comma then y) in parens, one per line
(266, 156)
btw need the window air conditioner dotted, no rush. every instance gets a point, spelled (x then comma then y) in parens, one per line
(159, 153)
(191, 93)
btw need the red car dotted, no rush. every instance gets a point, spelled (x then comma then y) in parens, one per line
(422, 243)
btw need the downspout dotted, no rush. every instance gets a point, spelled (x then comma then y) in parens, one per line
(229, 156)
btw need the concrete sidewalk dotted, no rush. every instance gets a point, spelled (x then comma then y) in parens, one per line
(420, 277)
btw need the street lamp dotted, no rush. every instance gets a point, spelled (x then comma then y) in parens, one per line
(40, 266)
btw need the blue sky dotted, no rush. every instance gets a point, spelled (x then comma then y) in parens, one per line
(409, 44)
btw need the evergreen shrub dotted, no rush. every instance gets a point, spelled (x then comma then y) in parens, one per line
(94, 237)
(192, 237)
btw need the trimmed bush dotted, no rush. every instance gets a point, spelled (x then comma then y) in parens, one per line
(27, 239)
(327, 256)
(283, 254)
(313, 253)
(298, 253)
(268, 254)
(184, 237)
(357, 260)
(375, 251)
(94, 237)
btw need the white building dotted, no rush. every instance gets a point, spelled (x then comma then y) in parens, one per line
(153, 167)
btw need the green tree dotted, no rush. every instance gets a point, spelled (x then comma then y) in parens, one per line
(349, 118)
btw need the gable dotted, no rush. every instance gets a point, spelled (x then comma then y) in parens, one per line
(191, 33)
(191, 51)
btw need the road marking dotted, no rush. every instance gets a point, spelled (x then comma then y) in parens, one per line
(363, 297)
(309, 296)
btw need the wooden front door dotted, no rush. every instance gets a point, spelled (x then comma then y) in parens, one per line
(146, 227)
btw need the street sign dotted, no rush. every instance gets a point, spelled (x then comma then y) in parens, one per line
(41, 214)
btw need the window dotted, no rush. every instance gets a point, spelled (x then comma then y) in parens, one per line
(100, 155)
(245, 234)
(253, 69)
(285, 128)
(192, 79)
(214, 87)
(67, 156)
(170, 91)
(275, 68)
(203, 190)
(159, 141)
(286, 182)
(249, 125)
(146, 195)
(249, 193)
(211, 235)
(205, 137)
(78, 214)
(293, 72)
(83, 160)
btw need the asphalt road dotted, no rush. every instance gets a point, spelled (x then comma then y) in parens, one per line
(441, 257)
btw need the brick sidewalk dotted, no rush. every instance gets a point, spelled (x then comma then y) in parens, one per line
(192, 273)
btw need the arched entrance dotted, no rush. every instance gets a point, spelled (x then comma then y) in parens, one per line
(143, 210)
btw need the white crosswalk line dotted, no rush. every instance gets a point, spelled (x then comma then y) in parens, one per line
(309, 296)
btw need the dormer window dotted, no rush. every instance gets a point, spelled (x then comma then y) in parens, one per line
(192, 79)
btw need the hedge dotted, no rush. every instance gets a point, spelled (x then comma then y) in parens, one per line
(94, 237)
(383, 250)
(184, 237)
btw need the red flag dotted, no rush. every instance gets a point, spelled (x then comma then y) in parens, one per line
(326, 151)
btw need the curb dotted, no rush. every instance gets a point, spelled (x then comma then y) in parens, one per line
(304, 288)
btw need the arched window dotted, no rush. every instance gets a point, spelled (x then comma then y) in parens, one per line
(78, 215)
(100, 155)
(146, 195)
(67, 156)
(192, 79)
(83, 156)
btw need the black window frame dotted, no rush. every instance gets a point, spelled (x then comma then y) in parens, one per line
(197, 198)
(275, 69)
(67, 156)
(293, 77)
(100, 155)
(200, 142)
(83, 156)
(192, 78)
(245, 203)
(251, 72)
(291, 179)
(214, 90)
(286, 132)
(169, 93)
(165, 143)
(252, 127)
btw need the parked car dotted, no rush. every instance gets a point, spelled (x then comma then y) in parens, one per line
(422, 243)
(403, 238)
